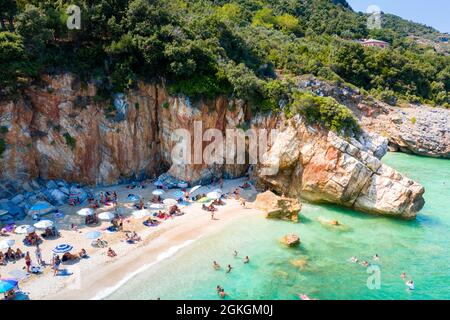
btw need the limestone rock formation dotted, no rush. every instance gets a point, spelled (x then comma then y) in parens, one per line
(276, 207)
(291, 240)
(323, 167)
(61, 130)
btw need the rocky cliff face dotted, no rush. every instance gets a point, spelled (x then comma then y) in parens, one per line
(414, 129)
(322, 167)
(61, 130)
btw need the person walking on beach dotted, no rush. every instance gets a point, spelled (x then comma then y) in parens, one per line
(28, 261)
(229, 268)
(38, 254)
(56, 263)
(212, 215)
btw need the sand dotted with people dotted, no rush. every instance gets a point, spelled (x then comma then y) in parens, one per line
(83, 250)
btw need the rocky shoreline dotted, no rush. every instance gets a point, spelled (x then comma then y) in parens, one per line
(62, 131)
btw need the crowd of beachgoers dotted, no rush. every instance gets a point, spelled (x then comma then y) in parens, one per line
(108, 212)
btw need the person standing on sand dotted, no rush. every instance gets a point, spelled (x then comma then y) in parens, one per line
(28, 261)
(38, 254)
(212, 215)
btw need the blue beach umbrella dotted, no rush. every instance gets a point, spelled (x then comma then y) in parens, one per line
(40, 208)
(6, 285)
(93, 235)
(62, 248)
(133, 197)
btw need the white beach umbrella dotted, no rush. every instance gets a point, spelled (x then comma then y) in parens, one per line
(140, 213)
(193, 189)
(214, 195)
(8, 243)
(24, 229)
(85, 212)
(158, 192)
(157, 206)
(43, 224)
(218, 191)
(106, 216)
(170, 202)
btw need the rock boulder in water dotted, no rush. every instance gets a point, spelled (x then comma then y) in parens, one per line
(277, 207)
(291, 240)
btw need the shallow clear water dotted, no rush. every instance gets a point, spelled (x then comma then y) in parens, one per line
(420, 248)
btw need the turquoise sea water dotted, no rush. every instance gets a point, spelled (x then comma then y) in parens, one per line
(421, 248)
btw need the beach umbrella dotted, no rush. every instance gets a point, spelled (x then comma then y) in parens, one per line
(43, 224)
(6, 285)
(214, 195)
(40, 208)
(133, 197)
(24, 229)
(8, 243)
(85, 212)
(156, 206)
(178, 194)
(158, 192)
(170, 202)
(140, 213)
(106, 216)
(193, 189)
(62, 248)
(18, 274)
(93, 234)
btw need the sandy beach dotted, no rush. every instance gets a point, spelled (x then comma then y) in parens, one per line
(100, 275)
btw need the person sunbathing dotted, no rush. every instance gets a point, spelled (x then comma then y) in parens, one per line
(10, 255)
(246, 185)
(2, 259)
(218, 202)
(83, 254)
(212, 208)
(174, 210)
(19, 254)
(69, 257)
(111, 253)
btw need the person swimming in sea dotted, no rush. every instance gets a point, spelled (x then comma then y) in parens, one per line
(216, 265)
(410, 285)
(365, 263)
(222, 293)
(376, 257)
(229, 268)
(403, 275)
(218, 288)
(246, 259)
(354, 259)
(235, 253)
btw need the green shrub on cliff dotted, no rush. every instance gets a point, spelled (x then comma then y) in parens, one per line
(2, 147)
(325, 111)
(70, 141)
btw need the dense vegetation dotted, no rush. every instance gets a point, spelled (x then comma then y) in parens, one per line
(203, 48)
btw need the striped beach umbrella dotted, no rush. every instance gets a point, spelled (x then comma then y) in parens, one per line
(62, 248)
